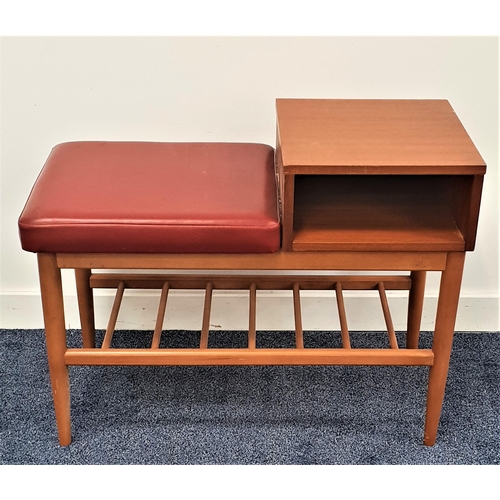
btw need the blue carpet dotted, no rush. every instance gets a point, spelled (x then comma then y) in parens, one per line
(249, 415)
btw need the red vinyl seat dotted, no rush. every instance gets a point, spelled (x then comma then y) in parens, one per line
(146, 197)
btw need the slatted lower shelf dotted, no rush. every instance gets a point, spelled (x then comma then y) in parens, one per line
(251, 355)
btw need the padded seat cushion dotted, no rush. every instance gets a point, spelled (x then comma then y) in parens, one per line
(139, 197)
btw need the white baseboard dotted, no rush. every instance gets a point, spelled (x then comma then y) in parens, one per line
(230, 311)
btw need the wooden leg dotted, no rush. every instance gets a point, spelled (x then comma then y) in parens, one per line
(415, 308)
(449, 294)
(55, 335)
(85, 306)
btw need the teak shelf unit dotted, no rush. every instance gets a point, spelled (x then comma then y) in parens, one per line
(376, 175)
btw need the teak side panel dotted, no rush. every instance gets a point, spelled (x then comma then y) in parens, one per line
(286, 185)
(466, 200)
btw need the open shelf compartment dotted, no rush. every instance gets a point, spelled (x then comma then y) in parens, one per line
(380, 212)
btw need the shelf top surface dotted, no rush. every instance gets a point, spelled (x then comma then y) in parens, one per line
(374, 133)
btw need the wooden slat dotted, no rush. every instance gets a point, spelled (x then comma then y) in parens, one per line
(346, 342)
(206, 316)
(252, 317)
(299, 338)
(114, 316)
(197, 357)
(243, 282)
(161, 316)
(387, 316)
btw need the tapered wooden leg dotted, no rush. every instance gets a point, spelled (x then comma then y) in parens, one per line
(415, 308)
(55, 335)
(449, 294)
(85, 306)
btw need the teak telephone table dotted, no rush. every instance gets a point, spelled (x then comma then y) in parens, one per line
(364, 185)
